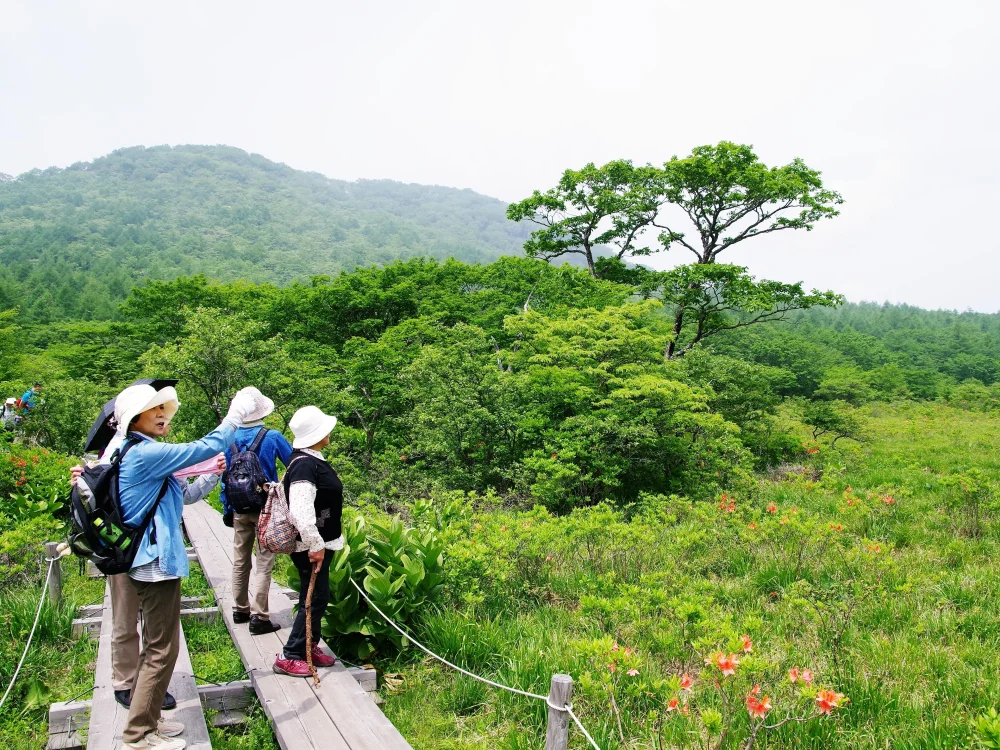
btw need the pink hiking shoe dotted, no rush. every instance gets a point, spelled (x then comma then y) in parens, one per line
(291, 667)
(322, 660)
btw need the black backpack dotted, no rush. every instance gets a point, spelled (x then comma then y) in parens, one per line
(245, 480)
(99, 531)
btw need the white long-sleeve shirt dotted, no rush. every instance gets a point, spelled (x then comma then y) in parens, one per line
(302, 512)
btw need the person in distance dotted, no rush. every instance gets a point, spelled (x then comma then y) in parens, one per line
(315, 503)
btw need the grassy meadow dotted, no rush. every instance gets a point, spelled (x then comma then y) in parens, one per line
(873, 565)
(874, 571)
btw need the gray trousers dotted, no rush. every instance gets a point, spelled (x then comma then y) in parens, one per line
(244, 536)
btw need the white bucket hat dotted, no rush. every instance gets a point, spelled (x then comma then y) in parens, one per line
(309, 425)
(262, 405)
(136, 399)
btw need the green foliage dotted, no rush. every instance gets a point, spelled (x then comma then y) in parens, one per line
(56, 423)
(974, 396)
(724, 190)
(592, 207)
(986, 729)
(215, 354)
(834, 419)
(730, 196)
(400, 570)
(74, 241)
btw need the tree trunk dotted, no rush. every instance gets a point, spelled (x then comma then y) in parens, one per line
(590, 264)
(678, 325)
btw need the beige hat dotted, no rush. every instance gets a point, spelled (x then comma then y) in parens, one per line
(262, 405)
(309, 425)
(136, 399)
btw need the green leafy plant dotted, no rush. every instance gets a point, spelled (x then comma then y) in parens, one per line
(401, 571)
(986, 729)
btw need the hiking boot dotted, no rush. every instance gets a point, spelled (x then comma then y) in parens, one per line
(169, 728)
(291, 667)
(322, 660)
(240, 617)
(156, 741)
(124, 698)
(260, 626)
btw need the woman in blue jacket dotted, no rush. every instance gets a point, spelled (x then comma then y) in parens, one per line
(143, 415)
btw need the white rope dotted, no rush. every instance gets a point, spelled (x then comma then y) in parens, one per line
(41, 601)
(568, 708)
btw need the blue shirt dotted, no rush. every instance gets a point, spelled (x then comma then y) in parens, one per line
(140, 478)
(273, 447)
(28, 399)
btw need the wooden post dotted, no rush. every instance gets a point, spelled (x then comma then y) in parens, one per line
(55, 580)
(560, 693)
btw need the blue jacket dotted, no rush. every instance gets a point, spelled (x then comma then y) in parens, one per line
(29, 399)
(140, 478)
(273, 447)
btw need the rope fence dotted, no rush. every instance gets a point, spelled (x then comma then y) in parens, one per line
(566, 707)
(41, 600)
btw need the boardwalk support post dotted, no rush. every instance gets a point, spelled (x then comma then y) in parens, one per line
(560, 694)
(55, 581)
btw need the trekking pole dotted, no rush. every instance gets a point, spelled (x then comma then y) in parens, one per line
(309, 626)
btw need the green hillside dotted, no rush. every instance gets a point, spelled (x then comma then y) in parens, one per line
(74, 241)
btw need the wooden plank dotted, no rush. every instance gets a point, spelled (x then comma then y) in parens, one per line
(189, 711)
(225, 697)
(285, 702)
(94, 610)
(107, 718)
(87, 626)
(68, 725)
(91, 626)
(339, 706)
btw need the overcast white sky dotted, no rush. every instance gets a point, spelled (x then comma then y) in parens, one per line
(895, 101)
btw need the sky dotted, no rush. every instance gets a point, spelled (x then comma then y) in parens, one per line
(895, 101)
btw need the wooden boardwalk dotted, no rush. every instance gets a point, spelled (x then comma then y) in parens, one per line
(107, 717)
(337, 715)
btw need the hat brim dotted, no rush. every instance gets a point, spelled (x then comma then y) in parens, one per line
(165, 397)
(317, 433)
(265, 406)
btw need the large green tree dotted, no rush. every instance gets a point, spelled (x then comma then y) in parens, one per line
(594, 207)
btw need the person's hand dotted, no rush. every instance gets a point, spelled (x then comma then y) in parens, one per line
(243, 403)
(75, 473)
(227, 519)
(220, 464)
(316, 558)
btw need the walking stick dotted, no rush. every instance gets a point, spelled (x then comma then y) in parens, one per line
(309, 626)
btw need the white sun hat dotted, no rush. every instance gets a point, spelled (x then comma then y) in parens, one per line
(136, 399)
(309, 425)
(262, 405)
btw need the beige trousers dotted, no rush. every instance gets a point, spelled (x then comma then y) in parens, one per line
(161, 629)
(244, 536)
(124, 633)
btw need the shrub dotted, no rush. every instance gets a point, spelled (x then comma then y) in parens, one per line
(400, 570)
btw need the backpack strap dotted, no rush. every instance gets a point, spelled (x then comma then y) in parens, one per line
(119, 454)
(258, 440)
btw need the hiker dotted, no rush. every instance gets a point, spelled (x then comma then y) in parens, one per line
(146, 472)
(9, 413)
(268, 446)
(29, 400)
(315, 502)
(125, 600)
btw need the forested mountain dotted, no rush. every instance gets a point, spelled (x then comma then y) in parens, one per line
(74, 241)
